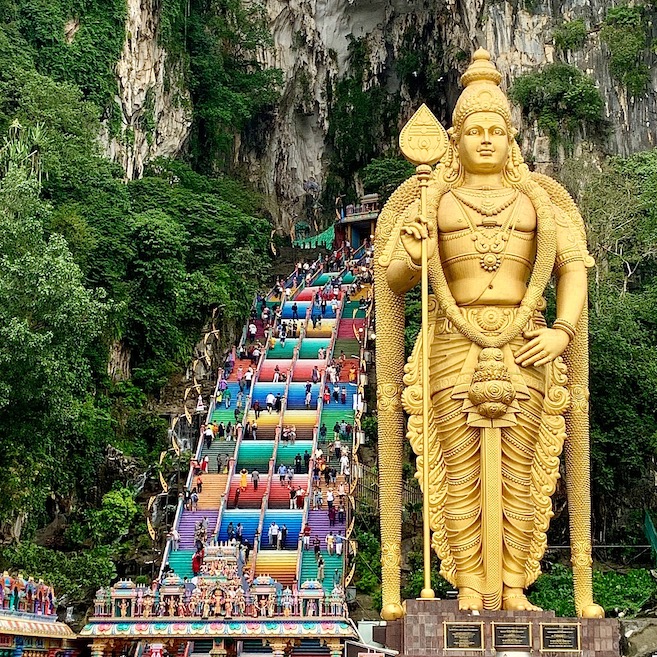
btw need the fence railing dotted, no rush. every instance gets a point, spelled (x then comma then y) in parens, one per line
(367, 489)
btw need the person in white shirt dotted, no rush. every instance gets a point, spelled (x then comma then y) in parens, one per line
(270, 402)
(274, 535)
(344, 463)
(253, 329)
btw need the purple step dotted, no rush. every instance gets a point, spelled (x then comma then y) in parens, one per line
(320, 526)
(187, 523)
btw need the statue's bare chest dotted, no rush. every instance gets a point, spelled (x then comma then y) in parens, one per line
(507, 210)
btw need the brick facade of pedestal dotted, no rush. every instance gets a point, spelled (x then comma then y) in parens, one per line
(421, 632)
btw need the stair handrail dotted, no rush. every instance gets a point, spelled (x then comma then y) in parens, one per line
(256, 543)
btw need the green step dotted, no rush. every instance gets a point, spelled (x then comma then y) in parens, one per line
(181, 562)
(350, 348)
(282, 352)
(331, 564)
(255, 454)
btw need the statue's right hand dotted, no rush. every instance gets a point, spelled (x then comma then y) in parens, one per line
(413, 231)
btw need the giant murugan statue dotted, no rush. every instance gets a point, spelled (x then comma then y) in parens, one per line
(503, 390)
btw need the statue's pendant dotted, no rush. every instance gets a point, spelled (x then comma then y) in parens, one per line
(490, 247)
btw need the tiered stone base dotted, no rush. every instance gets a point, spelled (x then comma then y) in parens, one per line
(428, 623)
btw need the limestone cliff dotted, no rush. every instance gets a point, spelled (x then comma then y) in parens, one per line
(311, 46)
(155, 109)
(311, 39)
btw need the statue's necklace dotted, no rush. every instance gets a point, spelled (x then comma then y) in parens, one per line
(490, 240)
(485, 201)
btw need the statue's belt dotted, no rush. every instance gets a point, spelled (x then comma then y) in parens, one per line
(491, 320)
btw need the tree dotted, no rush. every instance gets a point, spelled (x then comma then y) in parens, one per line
(52, 436)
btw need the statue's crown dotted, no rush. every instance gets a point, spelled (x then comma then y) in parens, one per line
(481, 92)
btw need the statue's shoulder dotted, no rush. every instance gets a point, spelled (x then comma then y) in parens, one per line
(567, 216)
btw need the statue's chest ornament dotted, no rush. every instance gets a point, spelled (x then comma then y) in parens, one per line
(489, 238)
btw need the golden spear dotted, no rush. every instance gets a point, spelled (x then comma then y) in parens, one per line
(423, 141)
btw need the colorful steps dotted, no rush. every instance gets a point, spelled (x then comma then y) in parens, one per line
(292, 519)
(310, 347)
(323, 330)
(279, 564)
(249, 498)
(279, 496)
(296, 396)
(214, 486)
(226, 447)
(267, 425)
(320, 525)
(268, 366)
(352, 310)
(187, 525)
(262, 389)
(280, 351)
(304, 421)
(255, 454)
(302, 309)
(303, 369)
(310, 648)
(286, 453)
(181, 562)
(349, 328)
(332, 568)
(249, 519)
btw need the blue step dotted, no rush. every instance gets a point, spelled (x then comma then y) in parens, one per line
(296, 397)
(291, 519)
(249, 519)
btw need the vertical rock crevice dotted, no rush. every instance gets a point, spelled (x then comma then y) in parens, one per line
(153, 104)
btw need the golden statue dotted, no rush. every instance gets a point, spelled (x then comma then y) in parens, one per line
(496, 394)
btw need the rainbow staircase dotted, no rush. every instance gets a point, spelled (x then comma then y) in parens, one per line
(336, 331)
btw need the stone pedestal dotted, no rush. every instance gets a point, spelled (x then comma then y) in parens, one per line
(427, 624)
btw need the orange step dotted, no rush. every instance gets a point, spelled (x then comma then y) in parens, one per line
(279, 564)
(214, 486)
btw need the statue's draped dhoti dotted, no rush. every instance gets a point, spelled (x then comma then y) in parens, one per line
(511, 458)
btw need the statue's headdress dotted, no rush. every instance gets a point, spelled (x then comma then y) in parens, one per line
(481, 93)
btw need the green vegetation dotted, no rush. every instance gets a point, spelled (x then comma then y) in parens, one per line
(625, 32)
(218, 43)
(570, 36)
(75, 576)
(562, 100)
(368, 562)
(362, 118)
(383, 175)
(73, 41)
(627, 593)
(90, 261)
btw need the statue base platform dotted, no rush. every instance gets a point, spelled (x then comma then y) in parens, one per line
(437, 628)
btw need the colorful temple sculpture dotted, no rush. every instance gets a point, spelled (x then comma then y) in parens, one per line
(28, 620)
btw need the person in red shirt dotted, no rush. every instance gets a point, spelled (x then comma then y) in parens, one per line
(306, 537)
(197, 561)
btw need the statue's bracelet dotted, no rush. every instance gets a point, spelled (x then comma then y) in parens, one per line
(566, 327)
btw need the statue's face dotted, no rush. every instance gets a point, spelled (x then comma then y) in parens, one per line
(484, 143)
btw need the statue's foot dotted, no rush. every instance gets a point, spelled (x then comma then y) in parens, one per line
(392, 611)
(470, 600)
(516, 600)
(593, 611)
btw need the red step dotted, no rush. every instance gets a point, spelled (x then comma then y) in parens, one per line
(249, 498)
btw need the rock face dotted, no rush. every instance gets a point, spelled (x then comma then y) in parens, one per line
(154, 104)
(311, 46)
(311, 40)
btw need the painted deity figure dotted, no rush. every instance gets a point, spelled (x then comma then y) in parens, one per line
(506, 389)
